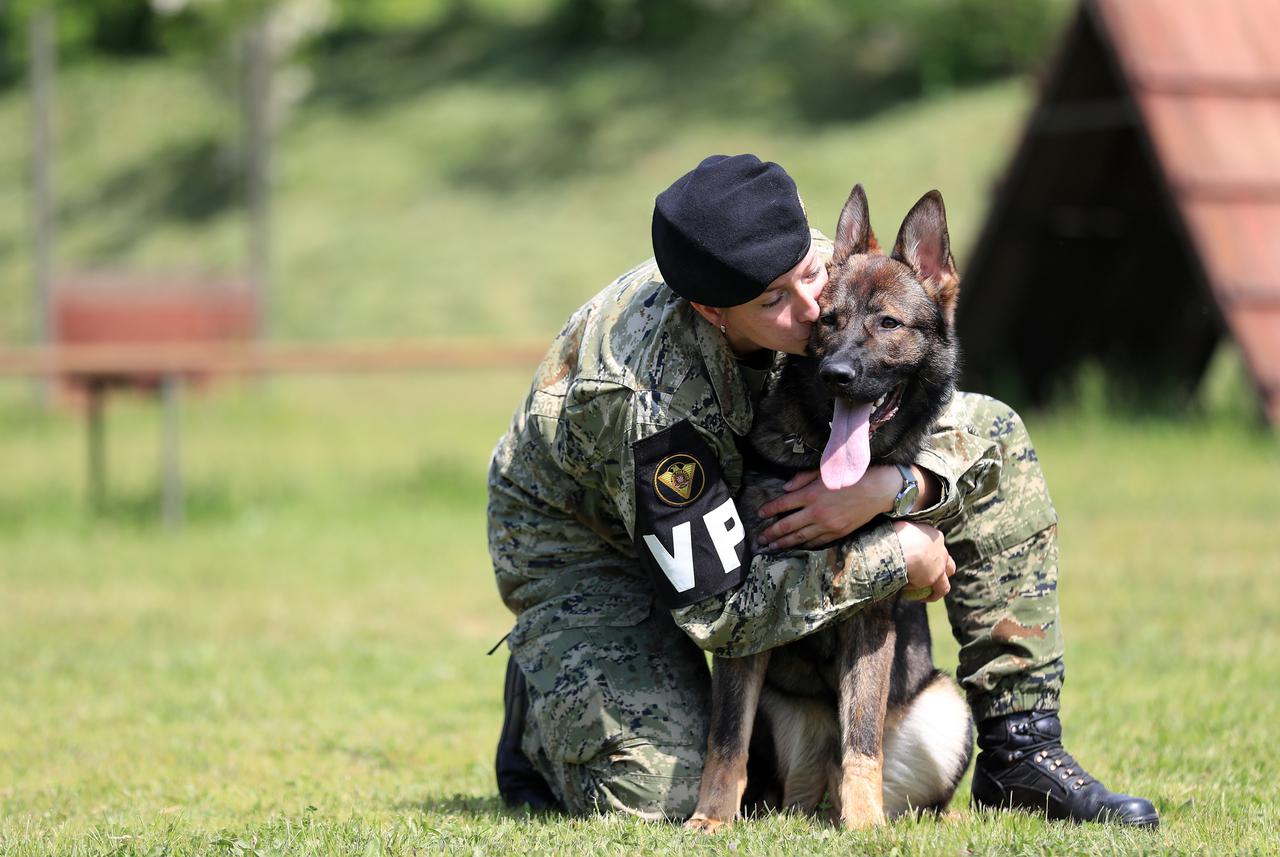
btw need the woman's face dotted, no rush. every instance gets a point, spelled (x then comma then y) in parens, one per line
(780, 318)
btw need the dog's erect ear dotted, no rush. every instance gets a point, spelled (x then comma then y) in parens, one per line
(924, 246)
(853, 232)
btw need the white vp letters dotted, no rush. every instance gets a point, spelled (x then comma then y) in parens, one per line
(725, 528)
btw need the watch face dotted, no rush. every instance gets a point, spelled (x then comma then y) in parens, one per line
(907, 498)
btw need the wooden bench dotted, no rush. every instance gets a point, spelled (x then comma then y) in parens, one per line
(164, 341)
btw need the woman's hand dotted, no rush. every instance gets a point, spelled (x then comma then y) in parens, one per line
(821, 515)
(929, 566)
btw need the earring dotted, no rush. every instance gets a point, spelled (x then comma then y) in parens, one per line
(722, 330)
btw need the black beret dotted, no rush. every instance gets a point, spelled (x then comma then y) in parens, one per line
(726, 230)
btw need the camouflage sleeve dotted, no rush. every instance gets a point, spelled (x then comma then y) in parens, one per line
(594, 445)
(967, 465)
(789, 595)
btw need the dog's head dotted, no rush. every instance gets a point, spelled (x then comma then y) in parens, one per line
(885, 347)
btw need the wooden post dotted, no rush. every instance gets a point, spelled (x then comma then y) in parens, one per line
(42, 190)
(256, 96)
(171, 451)
(96, 481)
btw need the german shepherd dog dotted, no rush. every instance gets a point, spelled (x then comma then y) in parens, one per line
(858, 711)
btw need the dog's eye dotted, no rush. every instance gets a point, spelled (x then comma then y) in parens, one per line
(889, 323)
(828, 320)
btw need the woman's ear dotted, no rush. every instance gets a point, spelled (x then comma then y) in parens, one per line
(715, 315)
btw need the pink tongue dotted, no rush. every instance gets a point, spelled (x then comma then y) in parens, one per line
(848, 450)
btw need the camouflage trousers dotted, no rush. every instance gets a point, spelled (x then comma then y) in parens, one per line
(618, 713)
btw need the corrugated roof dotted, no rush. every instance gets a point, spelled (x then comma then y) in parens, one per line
(1206, 78)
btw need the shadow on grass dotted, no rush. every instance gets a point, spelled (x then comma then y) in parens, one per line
(490, 807)
(190, 181)
(432, 486)
(204, 504)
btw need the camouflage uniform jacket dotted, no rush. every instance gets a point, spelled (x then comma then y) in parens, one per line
(635, 360)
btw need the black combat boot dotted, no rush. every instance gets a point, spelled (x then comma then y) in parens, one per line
(518, 781)
(1023, 765)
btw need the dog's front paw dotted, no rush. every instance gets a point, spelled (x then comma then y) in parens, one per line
(861, 796)
(861, 805)
(702, 824)
(861, 818)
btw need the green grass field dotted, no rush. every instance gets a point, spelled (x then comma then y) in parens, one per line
(302, 668)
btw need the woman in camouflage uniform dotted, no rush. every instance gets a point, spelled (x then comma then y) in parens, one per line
(620, 580)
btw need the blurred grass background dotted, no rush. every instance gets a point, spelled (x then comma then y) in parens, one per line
(301, 668)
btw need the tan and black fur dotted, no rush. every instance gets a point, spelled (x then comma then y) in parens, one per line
(857, 712)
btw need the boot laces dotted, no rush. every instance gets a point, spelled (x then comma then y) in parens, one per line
(1047, 751)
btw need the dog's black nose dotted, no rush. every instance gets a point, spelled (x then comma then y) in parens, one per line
(837, 373)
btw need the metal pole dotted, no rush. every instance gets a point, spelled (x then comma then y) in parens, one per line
(42, 201)
(171, 451)
(258, 128)
(97, 476)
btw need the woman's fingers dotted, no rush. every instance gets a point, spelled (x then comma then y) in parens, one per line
(922, 593)
(800, 480)
(786, 503)
(929, 594)
(784, 527)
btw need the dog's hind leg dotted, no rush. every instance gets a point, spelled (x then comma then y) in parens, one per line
(735, 695)
(927, 746)
(865, 663)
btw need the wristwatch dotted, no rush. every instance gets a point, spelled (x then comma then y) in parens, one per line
(907, 494)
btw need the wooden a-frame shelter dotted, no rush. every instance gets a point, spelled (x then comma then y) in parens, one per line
(1139, 221)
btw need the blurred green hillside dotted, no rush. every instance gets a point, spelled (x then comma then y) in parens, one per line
(483, 171)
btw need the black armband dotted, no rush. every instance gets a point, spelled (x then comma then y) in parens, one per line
(687, 530)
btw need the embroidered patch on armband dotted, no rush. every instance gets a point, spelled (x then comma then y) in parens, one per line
(678, 479)
(687, 531)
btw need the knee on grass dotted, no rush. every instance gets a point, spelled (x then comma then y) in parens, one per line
(647, 781)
